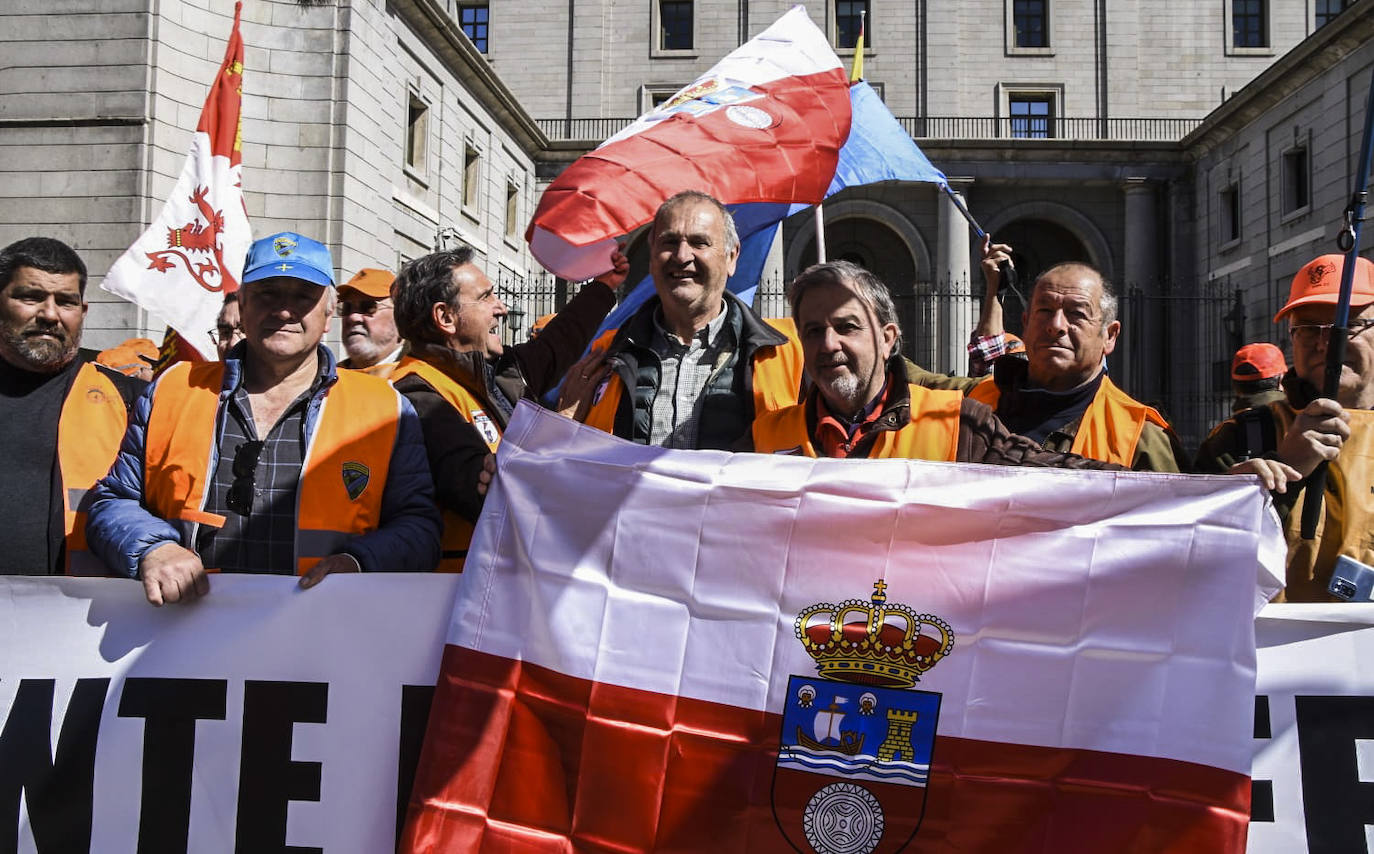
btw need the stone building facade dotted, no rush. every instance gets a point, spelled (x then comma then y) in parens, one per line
(374, 126)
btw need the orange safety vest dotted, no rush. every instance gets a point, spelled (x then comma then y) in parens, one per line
(777, 378)
(1110, 427)
(931, 434)
(457, 530)
(342, 480)
(89, 431)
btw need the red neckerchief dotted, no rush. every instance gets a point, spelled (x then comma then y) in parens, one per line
(837, 436)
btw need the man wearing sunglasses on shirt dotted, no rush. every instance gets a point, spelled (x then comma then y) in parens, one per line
(1306, 428)
(369, 327)
(307, 470)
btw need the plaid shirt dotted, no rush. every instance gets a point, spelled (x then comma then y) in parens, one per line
(265, 540)
(686, 369)
(983, 350)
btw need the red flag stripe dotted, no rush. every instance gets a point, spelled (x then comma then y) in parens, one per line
(568, 764)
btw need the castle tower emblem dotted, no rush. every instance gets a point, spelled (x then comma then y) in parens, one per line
(854, 756)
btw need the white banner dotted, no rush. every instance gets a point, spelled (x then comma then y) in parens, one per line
(259, 717)
(263, 716)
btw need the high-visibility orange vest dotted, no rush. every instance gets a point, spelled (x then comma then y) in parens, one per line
(89, 431)
(1110, 427)
(931, 434)
(342, 480)
(777, 378)
(457, 530)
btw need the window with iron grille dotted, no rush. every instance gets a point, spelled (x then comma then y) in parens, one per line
(472, 17)
(1249, 25)
(1032, 115)
(1030, 19)
(850, 16)
(675, 25)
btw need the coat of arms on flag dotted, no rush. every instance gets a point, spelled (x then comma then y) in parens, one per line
(855, 749)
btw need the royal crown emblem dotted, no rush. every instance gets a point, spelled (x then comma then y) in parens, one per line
(874, 642)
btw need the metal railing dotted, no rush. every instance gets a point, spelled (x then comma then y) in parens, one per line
(593, 131)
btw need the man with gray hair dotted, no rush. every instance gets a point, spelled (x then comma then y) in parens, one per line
(1061, 397)
(694, 365)
(861, 404)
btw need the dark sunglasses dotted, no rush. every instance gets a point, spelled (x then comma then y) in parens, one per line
(240, 498)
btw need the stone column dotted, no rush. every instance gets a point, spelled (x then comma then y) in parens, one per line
(1140, 266)
(955, 314)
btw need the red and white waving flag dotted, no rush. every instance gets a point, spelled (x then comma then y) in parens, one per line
(193, 253)
(764, 125)
(698, 651)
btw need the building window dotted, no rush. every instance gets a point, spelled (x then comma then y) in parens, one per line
(417, 133)
(512, 210)
(472, 177)
(472, 17)
(1249, 24)
(1030, 20)
(1329, 9)
(675, 24)
(850, 18)
(1229, 222)
(1031, 114)
(1295, 177)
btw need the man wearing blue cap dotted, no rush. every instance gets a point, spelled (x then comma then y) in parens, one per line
(271, 461)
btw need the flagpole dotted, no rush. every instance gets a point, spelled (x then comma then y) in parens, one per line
(820, 234)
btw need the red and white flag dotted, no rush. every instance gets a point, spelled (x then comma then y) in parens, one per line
(765, 124)
(193, 253)
(698, 651)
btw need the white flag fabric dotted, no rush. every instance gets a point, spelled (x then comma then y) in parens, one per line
(694, 650)
(193, 253)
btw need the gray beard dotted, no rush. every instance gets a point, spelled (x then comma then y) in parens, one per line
(848, 388)
(42, 357)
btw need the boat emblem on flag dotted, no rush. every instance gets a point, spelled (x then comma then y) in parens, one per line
(707, 96)
(355, 478)
(854, 757)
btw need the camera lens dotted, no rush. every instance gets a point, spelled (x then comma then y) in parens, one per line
(1343, 588)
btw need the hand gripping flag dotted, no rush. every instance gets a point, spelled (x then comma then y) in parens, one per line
(193, 253)
(698, 651)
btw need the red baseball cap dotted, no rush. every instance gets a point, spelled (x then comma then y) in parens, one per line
(1258, 362)
(1319, 281)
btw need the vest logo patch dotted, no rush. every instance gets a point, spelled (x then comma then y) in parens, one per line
(95, 395)
(601, 389)
(355, 478)
(484, 426)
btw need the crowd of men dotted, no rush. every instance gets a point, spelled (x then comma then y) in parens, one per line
(276, 458)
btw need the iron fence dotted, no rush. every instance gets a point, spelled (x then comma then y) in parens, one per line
(1174, 351)
(1139, 129)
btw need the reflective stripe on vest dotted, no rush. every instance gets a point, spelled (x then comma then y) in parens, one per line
(776, 380)
(89, 431)
(457, 530)
(932, 433)
(1110, 427)
(344, 476)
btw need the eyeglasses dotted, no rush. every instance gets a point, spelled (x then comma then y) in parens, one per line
(1311, 333)
(367, 308)
(222, 334)
(240, 498)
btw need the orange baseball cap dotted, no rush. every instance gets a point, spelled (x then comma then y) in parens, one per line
(122, 359)
(144, 347)
(1258, 362)
(1319, 281)
(372, 282)
(1015, 346)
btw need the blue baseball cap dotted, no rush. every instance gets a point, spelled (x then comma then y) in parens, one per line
(289, 254)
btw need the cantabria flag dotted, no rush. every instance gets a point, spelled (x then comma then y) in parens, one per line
(695, 651)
